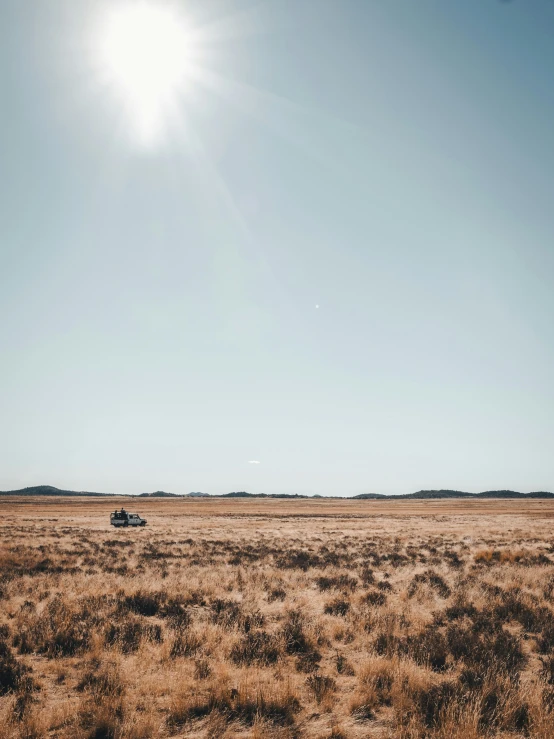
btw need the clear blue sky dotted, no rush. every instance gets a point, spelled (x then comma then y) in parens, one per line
(390, 161)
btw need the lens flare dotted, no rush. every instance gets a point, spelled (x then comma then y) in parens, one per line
(142, 51)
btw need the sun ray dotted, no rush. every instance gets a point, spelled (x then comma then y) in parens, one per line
(243, 23)
(308, 129)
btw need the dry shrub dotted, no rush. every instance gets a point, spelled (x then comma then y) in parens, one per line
(276, 594)
(101, 717)
(61, 629)
(337, 732)
(202, 669)
(547, 669)
(375, 681)
(298, 642)
(431, 705)
(511, 556)
(256, 648)
(485, 648)
(339, 582)
(343, 666)
(32, 725)
(230, 614)
(461, 608)
(447, 706)
(156, 603)
(140, 726)
(186, 643)
(275, 704)
(374, 598)
(294, 634)
(142, 603)
(299, 559)
(433, 580)
(502, 706)
(129, 633)
(321, 686)
(102, 679)
(367, 576)
(337, 607)
(427, 648)
(14, 675)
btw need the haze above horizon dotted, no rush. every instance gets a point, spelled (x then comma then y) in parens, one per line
(301, 246)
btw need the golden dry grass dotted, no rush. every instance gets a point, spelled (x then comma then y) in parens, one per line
(275, 618)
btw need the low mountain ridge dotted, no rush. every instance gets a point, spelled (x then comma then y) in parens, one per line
(44, 490)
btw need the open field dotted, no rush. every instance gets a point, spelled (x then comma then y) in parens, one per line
(275, 618)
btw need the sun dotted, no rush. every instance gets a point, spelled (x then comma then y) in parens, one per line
(142, 51)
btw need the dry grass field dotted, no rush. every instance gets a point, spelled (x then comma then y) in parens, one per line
(275, 618)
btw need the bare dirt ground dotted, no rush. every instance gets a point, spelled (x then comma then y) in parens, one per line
(275, 618)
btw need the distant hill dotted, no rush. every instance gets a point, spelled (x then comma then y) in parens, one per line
(432, 494)
(49, 490)
(420, 495)
(159, 494)
(513, 494)
(290, 495)
(163, 494)
(446, 494)
(263, 495)
(500, 494)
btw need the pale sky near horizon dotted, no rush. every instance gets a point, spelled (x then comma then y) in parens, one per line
(330, 271)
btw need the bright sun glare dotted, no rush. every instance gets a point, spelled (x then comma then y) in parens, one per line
(143, 51)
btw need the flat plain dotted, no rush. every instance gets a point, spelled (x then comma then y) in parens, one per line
(277, 618)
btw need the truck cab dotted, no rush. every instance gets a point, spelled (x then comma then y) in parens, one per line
(124, 518)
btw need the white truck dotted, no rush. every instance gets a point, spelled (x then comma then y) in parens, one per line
(124, 518)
